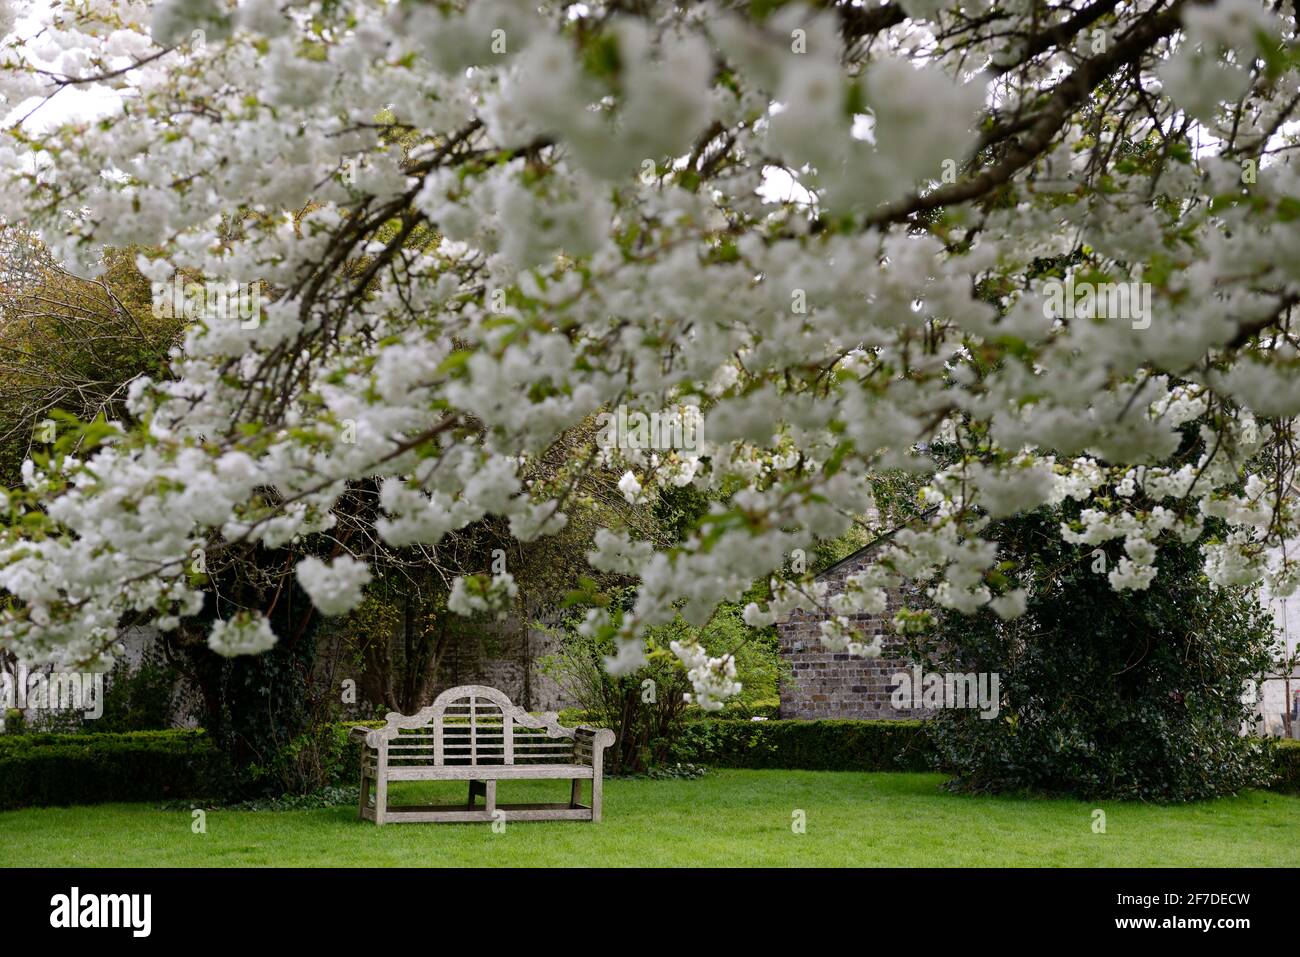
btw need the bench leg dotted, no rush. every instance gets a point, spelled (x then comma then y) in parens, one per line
(365, 792)
(486, 788)
(597, 786)
(381, 798)
(575, 793)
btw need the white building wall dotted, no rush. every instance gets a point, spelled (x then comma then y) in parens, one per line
(1272, 696)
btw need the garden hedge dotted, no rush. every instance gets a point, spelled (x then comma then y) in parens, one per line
(832, 745)
(53, 769)
(1287, 766)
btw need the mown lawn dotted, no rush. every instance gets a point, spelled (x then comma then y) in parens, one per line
(727, 818)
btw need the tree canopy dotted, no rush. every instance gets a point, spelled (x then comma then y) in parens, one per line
(1052, 236)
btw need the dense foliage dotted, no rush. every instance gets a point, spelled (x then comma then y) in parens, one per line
(1106, 694)
(648, 708)
(69, 346)
(39, 770)
(834, 745)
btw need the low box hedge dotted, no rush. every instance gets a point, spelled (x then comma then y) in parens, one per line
(51, 769)
(831, 745)
(1287, 766)
(10, 743)
(58, 769)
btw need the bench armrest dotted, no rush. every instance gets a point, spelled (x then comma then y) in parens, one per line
(601, 738)
(363, 735)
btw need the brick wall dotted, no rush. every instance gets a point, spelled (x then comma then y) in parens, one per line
(826, 684)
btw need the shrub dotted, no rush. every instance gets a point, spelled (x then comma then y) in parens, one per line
(348, 768)
(15, 743)
(1134, 695)
(54, 769)
(647, 709)
(644, 709)
(570, 717)
(836, 745)
(1286, 767)
(140, 698)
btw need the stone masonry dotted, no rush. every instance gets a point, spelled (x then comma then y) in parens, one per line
(508, 656)
(826, 684)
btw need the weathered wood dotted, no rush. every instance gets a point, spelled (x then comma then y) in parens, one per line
(474, 733)
(381, 785)
(511, 812)
(486, 772)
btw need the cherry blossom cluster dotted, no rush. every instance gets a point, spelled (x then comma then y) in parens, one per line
(832, 230)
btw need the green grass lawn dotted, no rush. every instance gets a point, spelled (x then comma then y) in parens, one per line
(727, 818)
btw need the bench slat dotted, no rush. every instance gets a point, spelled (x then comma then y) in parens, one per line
(478, 772)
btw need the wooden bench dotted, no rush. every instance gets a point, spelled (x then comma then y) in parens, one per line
(473, 733)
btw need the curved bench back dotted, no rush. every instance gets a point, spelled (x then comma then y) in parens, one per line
(477, 725)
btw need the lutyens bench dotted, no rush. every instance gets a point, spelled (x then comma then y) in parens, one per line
(473, 733)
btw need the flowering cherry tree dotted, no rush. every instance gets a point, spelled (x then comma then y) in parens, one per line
(837, 230)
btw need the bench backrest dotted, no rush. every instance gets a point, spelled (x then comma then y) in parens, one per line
(478, 725)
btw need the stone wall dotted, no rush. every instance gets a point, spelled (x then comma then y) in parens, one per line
(508, 656)
(826, 684)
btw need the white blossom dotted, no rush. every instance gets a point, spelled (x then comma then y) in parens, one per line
(334, 588)
(827, 243)
(247, 633)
